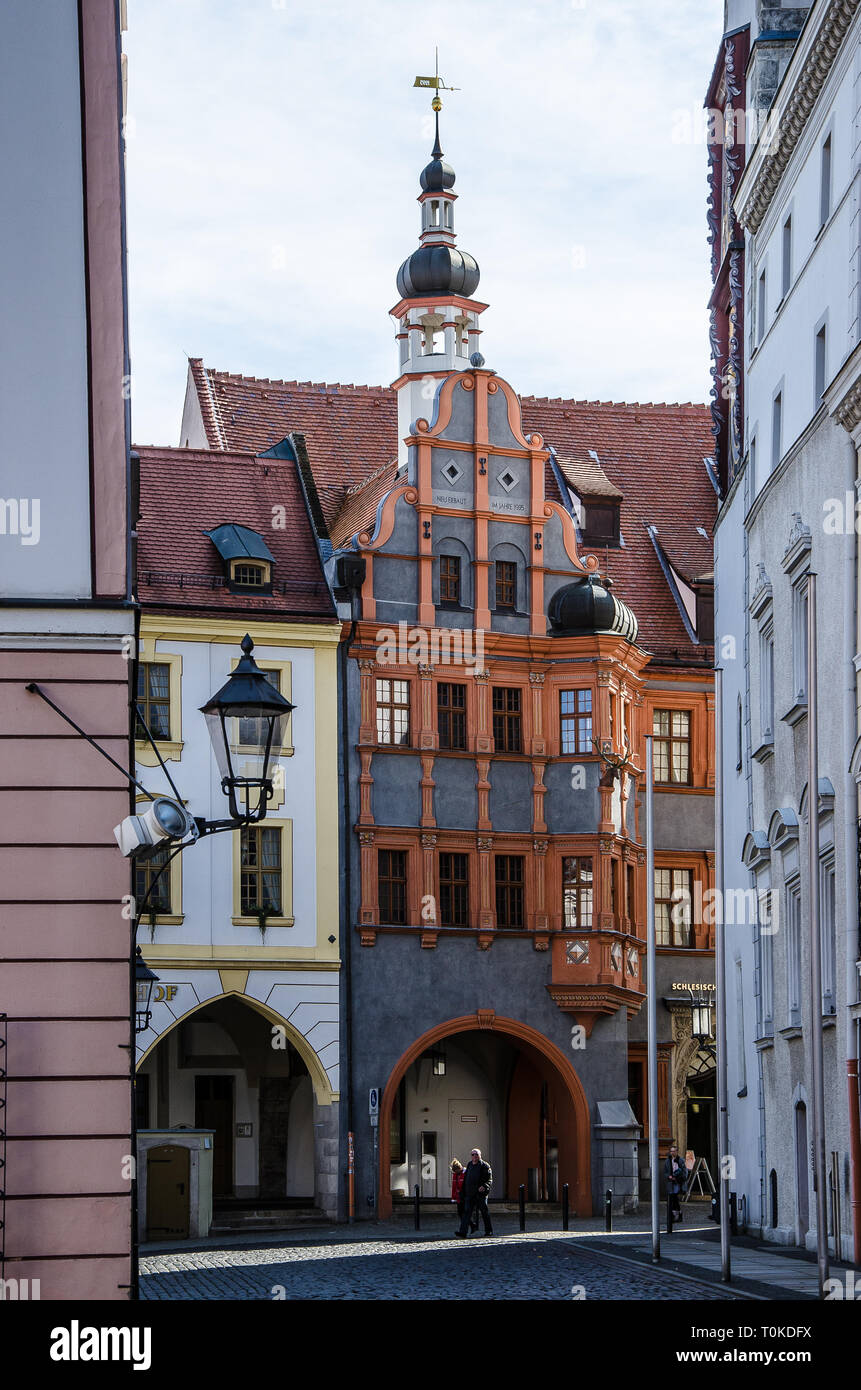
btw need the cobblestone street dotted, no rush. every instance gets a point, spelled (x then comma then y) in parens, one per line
(543, 1265)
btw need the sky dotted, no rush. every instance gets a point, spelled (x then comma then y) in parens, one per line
(273, 154)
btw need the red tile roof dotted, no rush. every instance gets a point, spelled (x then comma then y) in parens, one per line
(652, 453)
(185, 492)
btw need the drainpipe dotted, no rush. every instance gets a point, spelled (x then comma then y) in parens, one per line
(851, 877)
(347, 944)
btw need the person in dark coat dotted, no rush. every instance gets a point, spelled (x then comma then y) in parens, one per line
(477, 1182)
(677, 1180)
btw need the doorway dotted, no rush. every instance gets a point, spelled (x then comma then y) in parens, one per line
(213, 1109)
(167, 1192)
(802, 1193)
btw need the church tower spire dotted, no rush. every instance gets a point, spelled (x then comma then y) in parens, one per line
(436, 315)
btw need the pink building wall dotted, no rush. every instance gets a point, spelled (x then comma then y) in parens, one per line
(64, 941)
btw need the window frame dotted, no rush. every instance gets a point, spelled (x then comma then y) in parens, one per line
(455, 885)
(576, 718)
(508, 890)
(447, 601)
(576, 888)
(170, 749)
(393, 705)
(242, 918)
(174, 916)
(672, 904)
(512, 719)
(671, 739)
(389, 921)
(452, 713)
(502, 605)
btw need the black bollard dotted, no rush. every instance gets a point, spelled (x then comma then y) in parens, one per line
(608, 1210)
(669, 1211)
(565, 1206)
(417, 1208)
(733, 1214)
(521, 1197)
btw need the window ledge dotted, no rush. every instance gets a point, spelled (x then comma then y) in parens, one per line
(170, 749)
(742, 1093)
(764, 1043)
(168, 919)
(270, 922)
(793, 1031)
(764, 751)
(796, 714)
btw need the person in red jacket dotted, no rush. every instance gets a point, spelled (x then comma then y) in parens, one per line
(457, 1177)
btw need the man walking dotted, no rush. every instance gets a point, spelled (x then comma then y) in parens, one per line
(477, 1183)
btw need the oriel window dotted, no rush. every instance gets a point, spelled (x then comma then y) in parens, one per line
(449, 579)
(454, 890)
(451, 714)
(577, 892)
(393, 711)
(672, 745)
(509, 890)
(507, 717)
(154, 699)
(576, 718)
(506, 584)
(392, 886)
(261, 870)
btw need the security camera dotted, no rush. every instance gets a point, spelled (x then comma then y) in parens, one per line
(163, 820)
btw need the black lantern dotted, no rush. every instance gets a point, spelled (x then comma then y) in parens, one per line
(701, 1018)
(144, 981)
(247, 721)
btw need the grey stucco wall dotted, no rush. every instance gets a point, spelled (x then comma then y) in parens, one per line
(570, 812)
(455, 795)
(684, 821)
(510, 799)
(396, 794)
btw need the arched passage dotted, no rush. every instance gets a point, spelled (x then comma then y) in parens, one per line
(538, 1062)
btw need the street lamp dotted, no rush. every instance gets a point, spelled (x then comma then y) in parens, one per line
(145, 979)
(247, 722)
(701, 1018)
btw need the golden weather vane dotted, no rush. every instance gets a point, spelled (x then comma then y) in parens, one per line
(437, 83)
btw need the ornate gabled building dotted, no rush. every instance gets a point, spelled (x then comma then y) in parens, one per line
(525, 586)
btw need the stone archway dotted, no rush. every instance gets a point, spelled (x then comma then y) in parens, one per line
(531, 1041)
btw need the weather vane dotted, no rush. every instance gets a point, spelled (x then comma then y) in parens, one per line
(437, 83)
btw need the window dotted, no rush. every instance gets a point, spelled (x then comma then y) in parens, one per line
(793, 953)
(760, 308)
(827, 920)
(506, 584)
(786, 264)
(776, 429)
(825, 183)
(449, 579)
(766, 684)
(147, 873)
(393, 711)
(507, 733)
(739, 735)
(577, 892)
(765, 941)
(673, 897)
(509, 890)
(252, 576)
(252, 732)
(630, 894)
(454, 890)
(260, 860)
(575, 708)
(799, 642)
(451, 714)
(154, 699)
(614, 887)
(672, 745)
(392, 882)
(819, 365)
(741, 1060)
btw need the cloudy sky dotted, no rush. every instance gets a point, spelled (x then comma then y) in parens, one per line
(274, 148)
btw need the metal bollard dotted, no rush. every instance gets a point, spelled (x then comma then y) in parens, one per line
(521, 1197)
(417, 1208)
(669, 1211)
(565, 1206)
(733, 1214)
(608, 1209)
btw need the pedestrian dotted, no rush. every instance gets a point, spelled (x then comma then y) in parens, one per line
(457, 1177)
(477, 1182)
(677, 1179)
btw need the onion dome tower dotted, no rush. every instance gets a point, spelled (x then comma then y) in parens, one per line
(586, 606)
(436, 315)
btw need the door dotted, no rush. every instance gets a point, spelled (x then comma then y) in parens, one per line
(468, 1129)
(274, 1124)
(167, 1192)
(801, 1179)
(213, 1109)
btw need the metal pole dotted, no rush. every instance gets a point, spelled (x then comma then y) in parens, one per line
(720, 991)
(652, 1004)
(417, 1208)
(521, 1201)
(815, 945)
(608, 1209)
(565, 1206)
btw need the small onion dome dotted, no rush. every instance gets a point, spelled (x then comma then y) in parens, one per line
(437, 176)
(586, 606)
(438, 270)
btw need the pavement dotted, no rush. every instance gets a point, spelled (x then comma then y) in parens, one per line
(391, 1260)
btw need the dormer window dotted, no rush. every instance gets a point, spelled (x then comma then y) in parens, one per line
(600, 522)
(247, 559)
(249, 576)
